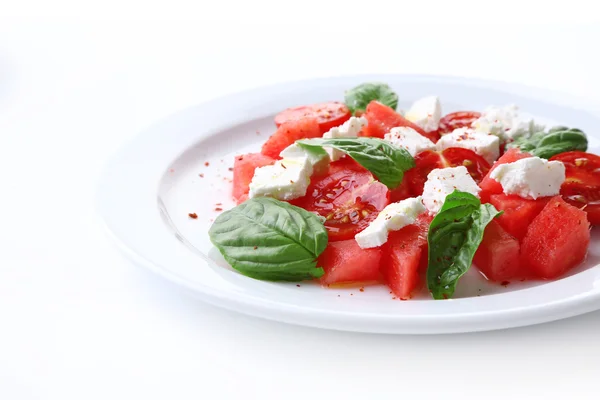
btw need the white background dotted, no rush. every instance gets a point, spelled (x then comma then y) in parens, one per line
(77, 321)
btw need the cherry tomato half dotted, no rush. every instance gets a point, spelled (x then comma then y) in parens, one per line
(427, 161)
(328, 115)
(455, 120)
(581, 187)
(348, 197)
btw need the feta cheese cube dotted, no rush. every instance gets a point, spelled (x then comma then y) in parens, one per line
(506, 123)
(409, 139)
(392, 218)
(531, 177)
(426, 113)
(287, 179)
(443, 181)
(349, 129)
(487, 146)
(319, 163)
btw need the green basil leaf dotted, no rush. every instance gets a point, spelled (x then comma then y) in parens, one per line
(360, 96)
(386, 161)
(557, 140)
(268, 239)
(559, 128)
(453, 238)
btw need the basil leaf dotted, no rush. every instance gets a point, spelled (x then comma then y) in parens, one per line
(359, 97)
(453, 238)
(557, 140)
(268, 239)
(386, 161)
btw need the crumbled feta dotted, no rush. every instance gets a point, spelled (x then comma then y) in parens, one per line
(319, 163)
(409, 139)
(487, 146)
(506, 123)
(531, 177)
(443, 181)
(392, 218)
(426, 113)
(287, 179)
(349, 129)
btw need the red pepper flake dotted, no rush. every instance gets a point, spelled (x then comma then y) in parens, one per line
(283, 165)
(362, 289)
(218, 209)
(351, 294)
(297, 285)
(231, 169)
(201, 175)
(206, 164)
(338, 295)
(505, 283)
(394, 298)
(218, 204)
(193, 215)
(171, 170)
(258, 132)
(255, 247)
(240, 158)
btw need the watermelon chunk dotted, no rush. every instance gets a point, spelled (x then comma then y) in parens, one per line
(382, 118)
(518, 212)
(288, 132)
(490, 186)
(243, 172)
(557, 240)
(345, 262)
(403, 256)
(498, 254)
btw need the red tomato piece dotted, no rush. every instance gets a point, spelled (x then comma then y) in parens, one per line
(518, 212)
(582, 185)
(477, 166)
(490, 186)
(345, 262)
(579, 159)
(403, 256)
(348, 197)
(401, 192)
(382, 118)
(498, 254)
(288, 133)
(328, 115)
(425, 162)
(243, 171)
(428, 160)
(557, 240)
(455, 120)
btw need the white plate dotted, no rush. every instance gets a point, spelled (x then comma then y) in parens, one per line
(150, 186)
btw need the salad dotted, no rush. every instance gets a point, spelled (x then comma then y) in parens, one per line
(358, 192)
